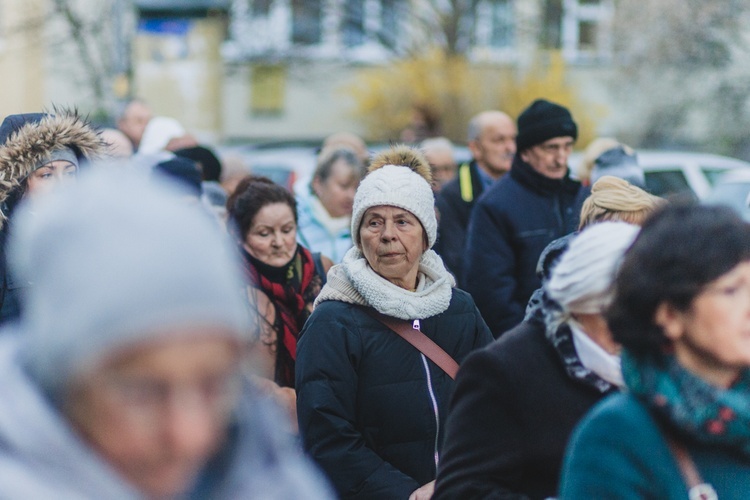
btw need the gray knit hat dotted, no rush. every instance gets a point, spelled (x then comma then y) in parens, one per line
(112, 259)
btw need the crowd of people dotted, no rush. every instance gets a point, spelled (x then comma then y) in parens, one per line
(401, 327)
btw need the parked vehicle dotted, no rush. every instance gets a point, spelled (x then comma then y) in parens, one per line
(670, 173)
(732, 189)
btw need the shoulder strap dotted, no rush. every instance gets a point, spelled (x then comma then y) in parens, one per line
(697, 489)
(413, 335)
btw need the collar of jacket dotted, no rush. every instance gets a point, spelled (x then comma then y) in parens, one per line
(525, 174)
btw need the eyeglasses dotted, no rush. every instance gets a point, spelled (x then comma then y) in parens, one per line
(146, 401)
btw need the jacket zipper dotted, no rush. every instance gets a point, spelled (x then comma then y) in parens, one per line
(433, 399)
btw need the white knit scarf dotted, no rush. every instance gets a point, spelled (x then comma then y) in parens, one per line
(354, 281)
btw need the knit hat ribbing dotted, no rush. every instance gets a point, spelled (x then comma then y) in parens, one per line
(544, 120)
(399, 177)
(582, 280)
(119, 271)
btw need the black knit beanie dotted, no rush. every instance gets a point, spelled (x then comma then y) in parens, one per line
(542, 121)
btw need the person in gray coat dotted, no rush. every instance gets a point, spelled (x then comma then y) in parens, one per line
(124, 376)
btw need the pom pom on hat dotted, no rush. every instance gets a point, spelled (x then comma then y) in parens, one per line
(581, 282)
(398, 177)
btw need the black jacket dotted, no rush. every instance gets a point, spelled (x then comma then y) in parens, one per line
(511, 415)
(454, 203)
(369, 412)
(510, 225)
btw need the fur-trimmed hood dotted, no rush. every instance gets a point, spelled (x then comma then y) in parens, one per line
(28, 139)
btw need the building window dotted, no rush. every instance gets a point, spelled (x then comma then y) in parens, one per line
(586, 33)
(267, 89)
(353, 23)
(260, 7)
(307, 26)
(494, 28)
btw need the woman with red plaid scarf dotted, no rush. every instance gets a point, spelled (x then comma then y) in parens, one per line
(283, 277)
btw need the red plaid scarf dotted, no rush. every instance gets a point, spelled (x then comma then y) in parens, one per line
(289, 289)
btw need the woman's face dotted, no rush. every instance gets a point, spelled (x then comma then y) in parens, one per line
(712, 338)
(392, 242)
(336, 193)
(43, 179)
(158, 413)
(272, 237)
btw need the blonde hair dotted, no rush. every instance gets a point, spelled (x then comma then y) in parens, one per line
(593, 151)
(615, 199)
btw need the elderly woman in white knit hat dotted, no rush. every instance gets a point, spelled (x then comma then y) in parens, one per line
(376, 360)
(123, 377)
(517, 401)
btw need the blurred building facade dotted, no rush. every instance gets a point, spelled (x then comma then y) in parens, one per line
(269, 69)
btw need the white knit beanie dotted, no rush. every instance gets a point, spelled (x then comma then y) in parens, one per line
(399, 177)
(111, 260)
(581, 282)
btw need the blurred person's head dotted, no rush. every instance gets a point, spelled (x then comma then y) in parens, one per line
(335, 180)
(118, 144)
(233, 170)
(439, 152)
(183, 172)
(160, 134)
(208, 162)
(582, 280)
(263, 219)
(492, 142)
(546, 135)
(606, 156)
(39, 151)
(133, 119)
(615, 199)
(348, 140)
(142, 356)
(684, 288)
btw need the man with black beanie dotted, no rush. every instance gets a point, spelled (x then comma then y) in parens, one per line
(520, 214)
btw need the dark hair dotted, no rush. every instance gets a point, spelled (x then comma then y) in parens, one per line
(250, 196)
(680, 249)
(329, 157)
(205, 158)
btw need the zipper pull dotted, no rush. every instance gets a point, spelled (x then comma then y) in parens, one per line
(415, 325)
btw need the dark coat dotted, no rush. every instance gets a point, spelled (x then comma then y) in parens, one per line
(25, 140)
(511, 414)
(454, 203)
(619, 451)
(365, 396)
(510, 225)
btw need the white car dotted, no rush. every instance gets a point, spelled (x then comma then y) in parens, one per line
(676, 172)
(732, 189)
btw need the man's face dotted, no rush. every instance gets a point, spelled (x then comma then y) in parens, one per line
(550, 158)
(134, 121)
(443, 166)
(493, 150)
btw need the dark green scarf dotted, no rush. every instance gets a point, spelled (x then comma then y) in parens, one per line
(688, 404)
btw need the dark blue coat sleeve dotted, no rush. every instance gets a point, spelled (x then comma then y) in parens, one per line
(489, 268)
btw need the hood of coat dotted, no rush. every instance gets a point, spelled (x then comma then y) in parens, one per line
(28, 139)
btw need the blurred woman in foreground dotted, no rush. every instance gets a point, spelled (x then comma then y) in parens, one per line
(682, 314)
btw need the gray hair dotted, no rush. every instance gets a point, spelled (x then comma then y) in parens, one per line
(434, 143)
(328, 158)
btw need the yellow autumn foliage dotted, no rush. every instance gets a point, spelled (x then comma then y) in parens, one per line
(457, 89)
